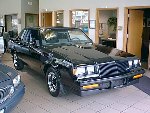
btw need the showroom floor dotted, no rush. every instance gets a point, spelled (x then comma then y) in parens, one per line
(38, 100)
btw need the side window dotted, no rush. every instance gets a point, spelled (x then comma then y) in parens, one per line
(22, 34)
(35, 37)
(25, 36)
(35, 34)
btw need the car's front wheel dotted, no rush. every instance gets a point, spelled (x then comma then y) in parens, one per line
(54, 83)
(18, 64)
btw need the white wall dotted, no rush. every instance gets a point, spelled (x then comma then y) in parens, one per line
(10, 7)
(26, 7)
(19, 7)
(66, 5)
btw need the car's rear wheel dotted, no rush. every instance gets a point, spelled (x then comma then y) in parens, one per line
(18, 64)
(54, 84)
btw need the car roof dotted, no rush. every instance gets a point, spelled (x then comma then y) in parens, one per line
(53, 28)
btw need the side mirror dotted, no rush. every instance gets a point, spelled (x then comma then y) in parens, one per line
(35, 43)
(18, 38)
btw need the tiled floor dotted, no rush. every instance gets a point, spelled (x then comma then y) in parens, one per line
(38, 100)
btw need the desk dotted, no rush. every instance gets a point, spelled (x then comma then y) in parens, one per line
(108, 42)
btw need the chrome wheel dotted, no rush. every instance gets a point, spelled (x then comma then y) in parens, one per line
(52, 82)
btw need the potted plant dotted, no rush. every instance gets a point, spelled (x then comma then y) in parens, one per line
(112, 22)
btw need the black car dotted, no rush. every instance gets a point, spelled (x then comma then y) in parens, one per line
(11, 88)
(69, 59)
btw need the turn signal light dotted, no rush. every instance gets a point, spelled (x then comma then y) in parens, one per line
(137, 76)
(91, 86)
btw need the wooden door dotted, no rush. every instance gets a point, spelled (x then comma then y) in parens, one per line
(135, 29)
(46, 19)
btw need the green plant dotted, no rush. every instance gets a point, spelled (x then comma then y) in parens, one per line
(112, 22)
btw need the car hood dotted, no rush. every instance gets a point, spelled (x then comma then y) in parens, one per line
(82, 54)
(6, 73)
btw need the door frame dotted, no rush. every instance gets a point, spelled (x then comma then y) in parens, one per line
(5, 22)
(97, 22)
(26, 14)
(55, 12)
(126, 23)
(41, 17)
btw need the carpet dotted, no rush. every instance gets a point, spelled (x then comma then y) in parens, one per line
(144, 84)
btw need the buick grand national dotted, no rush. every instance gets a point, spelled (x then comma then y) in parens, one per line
(69, 60)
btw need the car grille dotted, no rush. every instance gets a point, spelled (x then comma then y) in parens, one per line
(6, 92)
(112, 69)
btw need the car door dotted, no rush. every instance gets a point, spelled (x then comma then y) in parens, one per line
(22, 48)
(35, 51)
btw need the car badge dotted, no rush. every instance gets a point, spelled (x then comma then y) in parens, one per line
(9, 73)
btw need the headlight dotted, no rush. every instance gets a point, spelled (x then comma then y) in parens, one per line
(16, 80)
(79, 71)
(84, 70)
(130, 63)
(135, 62)
(139, 62)
(90, 69)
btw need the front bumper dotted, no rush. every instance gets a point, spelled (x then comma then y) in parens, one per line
(11, 102)
(93, 86)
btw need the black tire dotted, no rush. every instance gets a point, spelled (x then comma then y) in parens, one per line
(18, 64)
(54, 84)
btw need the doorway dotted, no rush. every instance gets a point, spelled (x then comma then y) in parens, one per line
(137, 32)
(31, 20)
(46, 19)
(11, 23)
(106, 26)
(59, 18)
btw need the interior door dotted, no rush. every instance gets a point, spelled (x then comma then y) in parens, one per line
(8, 23)
(35, 59)
(135, 29)
(46, 19)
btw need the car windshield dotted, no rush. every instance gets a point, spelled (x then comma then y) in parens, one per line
(59, 36)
